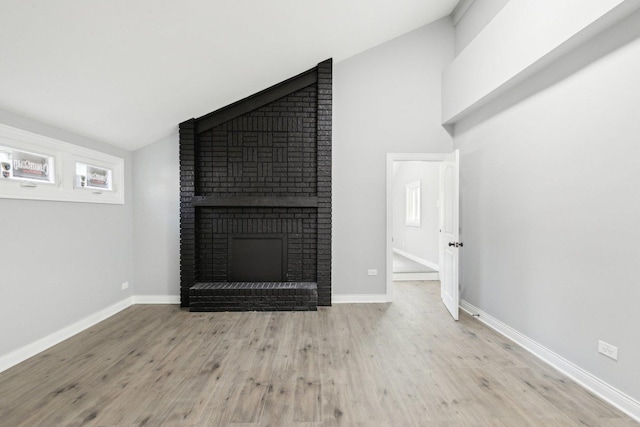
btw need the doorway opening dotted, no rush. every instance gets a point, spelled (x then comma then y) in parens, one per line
(415, 203)
(423, 221)
(412, 196)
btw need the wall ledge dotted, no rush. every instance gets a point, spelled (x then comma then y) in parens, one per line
(500, 59)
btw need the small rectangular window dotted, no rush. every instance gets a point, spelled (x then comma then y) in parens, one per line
(413, 205)
(93, 177)
(26, 166)
(36, 167)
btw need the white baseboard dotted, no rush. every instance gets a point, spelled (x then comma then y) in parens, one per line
(43, 344)
(156, 299)
(30, 350)
(398, 277)
(20, 355)
(431, 265)
(589, 381)
(358, 298)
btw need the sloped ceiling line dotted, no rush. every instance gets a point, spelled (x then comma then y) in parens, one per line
(125, 72)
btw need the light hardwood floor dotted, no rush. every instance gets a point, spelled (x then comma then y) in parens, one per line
(401, 364)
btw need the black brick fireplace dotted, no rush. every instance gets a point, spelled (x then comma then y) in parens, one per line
(255, 202)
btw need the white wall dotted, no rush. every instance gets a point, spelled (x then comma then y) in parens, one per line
(385, 100)
(475, 18)
(550, 210)
(60, 261)
(421, 242)
(156, 218)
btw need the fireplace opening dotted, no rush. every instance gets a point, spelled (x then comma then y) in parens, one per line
(257, 258)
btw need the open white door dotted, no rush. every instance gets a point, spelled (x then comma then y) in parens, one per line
(450, 232)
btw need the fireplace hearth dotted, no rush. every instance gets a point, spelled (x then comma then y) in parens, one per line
(256, 200)
(253, 296)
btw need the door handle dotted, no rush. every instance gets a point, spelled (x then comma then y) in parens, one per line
(455, 244)
(451, 244)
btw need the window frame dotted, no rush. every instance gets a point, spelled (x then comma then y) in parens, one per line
(64, 157)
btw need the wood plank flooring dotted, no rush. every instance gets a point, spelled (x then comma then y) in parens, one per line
(401, 364)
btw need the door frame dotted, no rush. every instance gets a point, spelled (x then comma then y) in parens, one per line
(400, 157)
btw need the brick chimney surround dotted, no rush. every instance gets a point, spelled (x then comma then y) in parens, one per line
(255, 200)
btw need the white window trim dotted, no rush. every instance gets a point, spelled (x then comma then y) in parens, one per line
(413, 204)
(65, 157)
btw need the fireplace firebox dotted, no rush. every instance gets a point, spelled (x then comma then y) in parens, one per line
(256, 258)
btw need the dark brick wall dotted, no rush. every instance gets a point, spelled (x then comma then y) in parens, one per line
(188, 272)
(215, 226)
(274, 146)
(269, 151)
(324, 180)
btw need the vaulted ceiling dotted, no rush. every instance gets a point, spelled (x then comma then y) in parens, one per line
(126, 72)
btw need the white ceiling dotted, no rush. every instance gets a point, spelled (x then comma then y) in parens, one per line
(127, 72)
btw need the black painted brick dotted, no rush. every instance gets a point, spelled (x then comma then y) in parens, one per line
(280, 149)
(323, 136)
(225, 296)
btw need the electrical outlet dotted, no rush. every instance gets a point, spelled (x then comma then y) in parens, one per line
(372, 272)
(608, 350)
(125, 285)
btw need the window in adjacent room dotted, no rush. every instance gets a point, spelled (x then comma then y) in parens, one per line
(414, 215)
